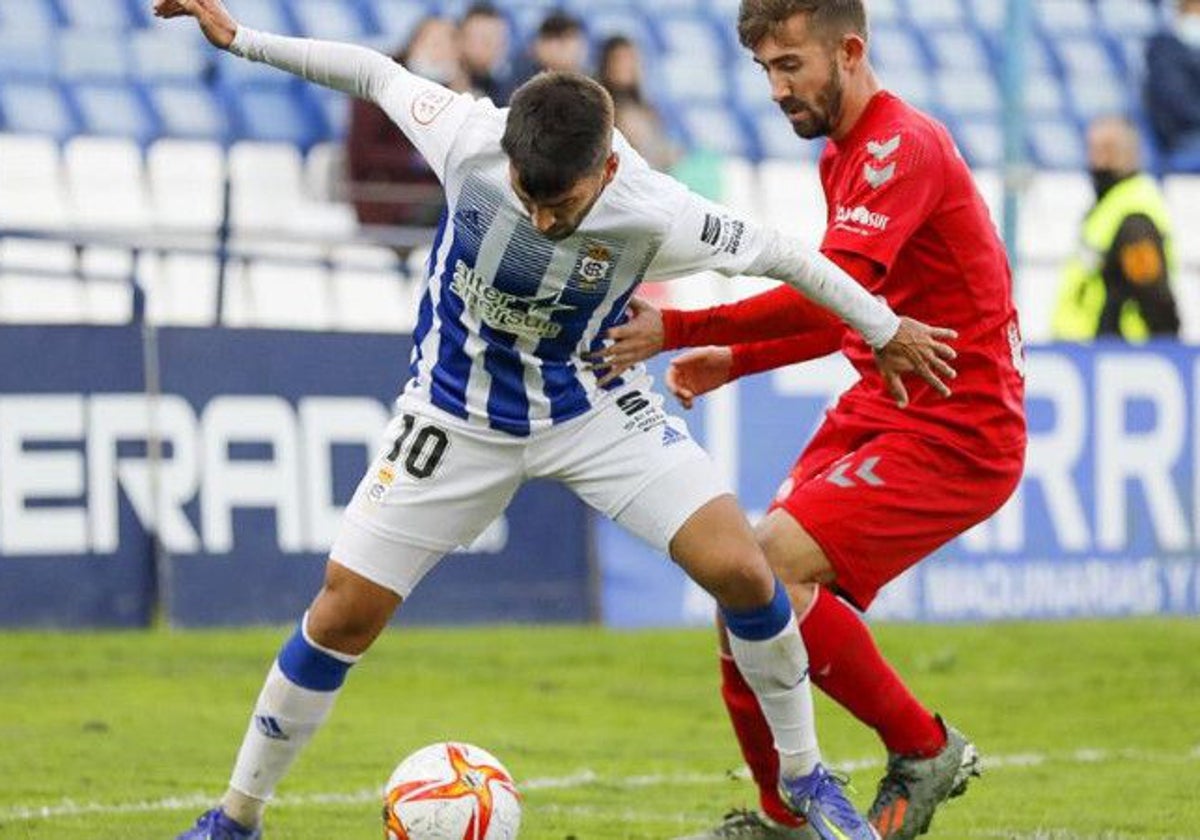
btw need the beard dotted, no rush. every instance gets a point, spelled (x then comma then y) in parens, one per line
(816, 119)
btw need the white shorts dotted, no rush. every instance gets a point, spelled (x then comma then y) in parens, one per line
(438, 482)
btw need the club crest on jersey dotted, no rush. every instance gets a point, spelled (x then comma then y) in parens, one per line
(430, 104)
(592, 269)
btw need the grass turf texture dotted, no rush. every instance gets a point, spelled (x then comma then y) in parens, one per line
(1095, 726)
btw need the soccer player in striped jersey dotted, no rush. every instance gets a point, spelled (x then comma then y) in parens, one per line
(552, 222)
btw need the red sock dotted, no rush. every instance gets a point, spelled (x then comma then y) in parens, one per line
(846, 664)
(754, 737)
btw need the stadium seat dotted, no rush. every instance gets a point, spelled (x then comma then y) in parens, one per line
(932, 14)
(268, 15)
(716, 128)
(990, 184)
(1056, 144)
(776, 139)
(896, 48)
(88, 55)
(397, 19)
(265, 180)
(373, 300)
(39, 282)
(31, 20)
(1183, 196)
(108, 278)
(33, 196)
(981, 141)
(691, 36)
(335, 109)
(695, 80)
(170, 55)
(911, 83)
(1131, 18)
(278, 294)
(1044, 95)
(1087, 57)
(106, 184)
(605, 22)
(987, 15)
(1051, 211)
(1036, 295)
(112, 15)
(189, 111)
(751, 88)
(25, 57)
(1062, 17)
(278, 113)
(968, 93)
(180, 288)
(739, 185)
(186, 180)
(334, 20)
(36, 108)
(325, 173)
(959, 49)
(114, 110)
(1096, 96)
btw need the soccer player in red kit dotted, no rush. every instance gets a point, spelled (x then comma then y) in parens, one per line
(890, 475)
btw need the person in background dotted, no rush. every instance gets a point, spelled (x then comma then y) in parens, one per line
(560, 44)
(1119, 284)
(483, 41)
(1173, 88)
(391, 184)
(620, 72)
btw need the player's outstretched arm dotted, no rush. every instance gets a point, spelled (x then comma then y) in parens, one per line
(216, 23)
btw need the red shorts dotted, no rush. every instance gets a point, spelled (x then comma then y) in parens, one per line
(878, 500)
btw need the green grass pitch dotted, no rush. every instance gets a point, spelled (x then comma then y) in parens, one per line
(1091, 730)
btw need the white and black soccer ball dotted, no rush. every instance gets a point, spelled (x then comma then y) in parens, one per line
(451, 791)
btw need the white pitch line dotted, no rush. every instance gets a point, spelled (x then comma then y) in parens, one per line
(584, 778)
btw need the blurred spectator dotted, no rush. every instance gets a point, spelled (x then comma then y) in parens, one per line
(1120, 284)
(1173, 87)
(560, 44)
(620, 71)
(391, 184)
(483, 40)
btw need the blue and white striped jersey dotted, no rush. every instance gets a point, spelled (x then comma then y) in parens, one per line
(506, 314)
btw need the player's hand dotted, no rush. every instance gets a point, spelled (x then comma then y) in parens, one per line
(917, 348)
(638, 339)
(216, 23)
(699, 371)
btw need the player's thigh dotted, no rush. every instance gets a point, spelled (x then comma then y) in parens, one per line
(635, 464)
(434, 486)
(884, 506)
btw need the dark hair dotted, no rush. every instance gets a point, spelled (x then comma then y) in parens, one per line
(559, 25)
(481, 8)
(833, 18)
(559, 130)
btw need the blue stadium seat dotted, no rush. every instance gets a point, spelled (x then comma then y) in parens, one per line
(692, 36)
(335, 108)
(92, 55)
(397, 20)
(231, 70)
(25, 57)
(958, 48)
(36, 108)
(1086, 57)
(911, 83)
(981, 142)
(334, 20)
(776, 140)
(189, 111)
(717, 128)
(1129, 18)
(604, 22)
(161, 55)
(897, 48)
(114, 109)
(278, 113)
(929, 14)
(751, 88)
(1044, 95)
(27, 18)
(695, 79)
(269, 15)
(98, 14)
(1056, 144)
(966, 93)
(987, 15)
(1096, 96)
(884, 12)
(1063, 17)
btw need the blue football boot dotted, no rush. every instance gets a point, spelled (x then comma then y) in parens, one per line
(215, 825)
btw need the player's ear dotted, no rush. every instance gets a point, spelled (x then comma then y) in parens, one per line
(610, 167)
(852, 52)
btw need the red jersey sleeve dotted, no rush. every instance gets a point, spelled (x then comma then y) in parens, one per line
(755, 357)
(883, 192)
(773, 314)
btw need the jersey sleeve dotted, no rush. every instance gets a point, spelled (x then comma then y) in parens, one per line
(701, 235)
(429, 114)
(892, 187)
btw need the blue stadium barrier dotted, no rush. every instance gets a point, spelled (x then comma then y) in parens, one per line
(1106, 522)
(264, 435)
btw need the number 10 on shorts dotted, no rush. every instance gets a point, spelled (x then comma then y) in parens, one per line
(419, 450)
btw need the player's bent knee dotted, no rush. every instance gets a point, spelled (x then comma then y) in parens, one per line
(350, 611)
(794, 556)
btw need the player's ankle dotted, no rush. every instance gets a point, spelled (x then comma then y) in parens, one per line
(246, 811)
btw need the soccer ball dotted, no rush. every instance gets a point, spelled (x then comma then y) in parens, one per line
(451, 791)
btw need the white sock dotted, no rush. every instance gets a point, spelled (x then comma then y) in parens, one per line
(777, 670)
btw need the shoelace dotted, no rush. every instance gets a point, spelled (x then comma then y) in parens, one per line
(837, 804)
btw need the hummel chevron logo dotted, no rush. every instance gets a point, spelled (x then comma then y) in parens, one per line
(865, 473)
(878, 177)
(883, 151)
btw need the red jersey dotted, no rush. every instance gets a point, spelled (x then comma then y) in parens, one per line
(900, 194)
